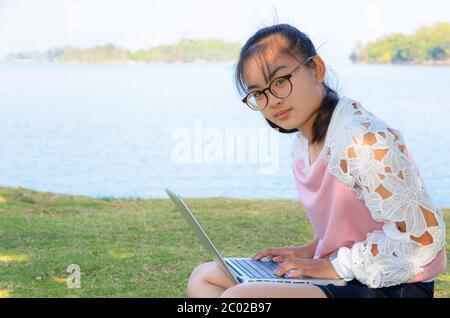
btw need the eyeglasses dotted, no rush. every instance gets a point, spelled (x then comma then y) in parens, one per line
(280, 87)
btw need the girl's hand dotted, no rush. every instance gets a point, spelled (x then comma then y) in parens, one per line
(280, 254)
(315, 268)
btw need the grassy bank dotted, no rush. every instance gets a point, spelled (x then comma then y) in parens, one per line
(130, 247)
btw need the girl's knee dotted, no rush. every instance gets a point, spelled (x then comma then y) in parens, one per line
(198, 276)
(208, 274)
(201, 270)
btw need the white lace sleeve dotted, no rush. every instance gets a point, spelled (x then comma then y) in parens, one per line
(370, 157)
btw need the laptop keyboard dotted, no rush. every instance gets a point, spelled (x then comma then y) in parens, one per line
(255, 269)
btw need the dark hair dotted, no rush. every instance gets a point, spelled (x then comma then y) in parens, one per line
(299, 46)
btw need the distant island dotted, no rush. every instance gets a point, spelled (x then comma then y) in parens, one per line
(186, 50)
(429, 45)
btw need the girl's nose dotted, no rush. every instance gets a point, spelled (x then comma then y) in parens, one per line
(273, 100)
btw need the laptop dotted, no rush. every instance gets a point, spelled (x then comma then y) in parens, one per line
(243, 270)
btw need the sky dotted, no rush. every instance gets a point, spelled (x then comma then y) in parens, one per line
(27, 25)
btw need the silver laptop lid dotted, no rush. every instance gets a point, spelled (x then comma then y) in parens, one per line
(204, 239)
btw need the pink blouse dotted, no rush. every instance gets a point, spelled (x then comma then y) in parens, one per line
(339, 192)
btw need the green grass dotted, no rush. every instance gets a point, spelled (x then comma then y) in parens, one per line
(132, 247)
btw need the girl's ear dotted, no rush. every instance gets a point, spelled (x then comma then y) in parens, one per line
(319, 69)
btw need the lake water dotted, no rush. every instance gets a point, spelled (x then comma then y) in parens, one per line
(114, 130)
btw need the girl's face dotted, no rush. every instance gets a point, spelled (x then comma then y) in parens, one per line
(295, 110)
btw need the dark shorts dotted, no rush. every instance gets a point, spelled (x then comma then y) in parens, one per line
(355, 289)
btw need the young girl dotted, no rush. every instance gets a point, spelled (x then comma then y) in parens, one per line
(375, 225)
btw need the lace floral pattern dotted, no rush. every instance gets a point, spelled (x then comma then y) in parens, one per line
(369, 157)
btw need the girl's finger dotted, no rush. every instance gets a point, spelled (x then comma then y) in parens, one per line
(283, 268)
(278, 259)
(289, 264)
(294, 273)
(259, 255)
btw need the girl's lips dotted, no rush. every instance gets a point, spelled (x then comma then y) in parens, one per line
(283, 115)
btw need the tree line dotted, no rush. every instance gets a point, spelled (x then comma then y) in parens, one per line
(429, 44)
(186, 50)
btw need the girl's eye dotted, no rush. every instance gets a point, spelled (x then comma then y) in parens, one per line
(256, 94)
(280, 81)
